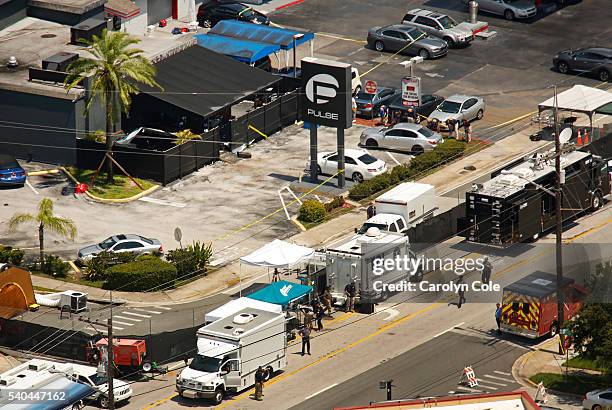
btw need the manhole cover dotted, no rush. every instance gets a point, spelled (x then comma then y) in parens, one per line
(48, 35)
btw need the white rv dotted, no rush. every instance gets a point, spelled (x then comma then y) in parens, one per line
(229, 352)
(402, 207)
(352, 261)
(236, 305)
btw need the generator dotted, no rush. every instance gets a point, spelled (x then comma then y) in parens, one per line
(76, 301)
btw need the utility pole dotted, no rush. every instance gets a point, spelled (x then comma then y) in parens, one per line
(559, 218)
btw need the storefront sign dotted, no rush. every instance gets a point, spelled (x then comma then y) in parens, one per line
(411, 91)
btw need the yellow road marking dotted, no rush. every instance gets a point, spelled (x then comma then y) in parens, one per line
(257, 131)
(340, 318)
(587, 232)
(160, 402)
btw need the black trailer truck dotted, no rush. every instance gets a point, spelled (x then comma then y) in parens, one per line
(517, 205)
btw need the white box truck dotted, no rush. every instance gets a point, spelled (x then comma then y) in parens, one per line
(229, 352)
(402, 207)
(351, 260)
(236, 305)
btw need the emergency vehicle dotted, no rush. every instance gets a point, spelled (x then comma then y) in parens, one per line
(529, 305)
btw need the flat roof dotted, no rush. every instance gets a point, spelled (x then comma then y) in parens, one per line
(68, 6)
(227, 327)
(354, 244)
(406, 192)
(537, 284)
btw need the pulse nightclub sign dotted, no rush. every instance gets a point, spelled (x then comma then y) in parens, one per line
(327, 93)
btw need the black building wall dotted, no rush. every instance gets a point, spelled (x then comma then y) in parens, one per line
(62, 17)
(157, 10)
(11, 11)
(148, 111)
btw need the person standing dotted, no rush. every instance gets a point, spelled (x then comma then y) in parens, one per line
(304, 332)
(276, 275)
(319, 316)
(308, 318)
(349, 291)
(460, 292)
(354, 108)
(327, 300)
(486, 270)
(467, 129)
(412, 115)
(371, 211)
(498, 314)
(260, 377)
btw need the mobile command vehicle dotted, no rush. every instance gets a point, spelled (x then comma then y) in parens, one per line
(229, 352)
(529, 305)
(351, 260)
(515, 207)
(403, 207)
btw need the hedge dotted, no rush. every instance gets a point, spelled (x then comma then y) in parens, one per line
(451, 149)
(142, 275)
(312, 211)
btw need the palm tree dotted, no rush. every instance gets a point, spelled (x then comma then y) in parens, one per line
(45, 220)
(115, 70)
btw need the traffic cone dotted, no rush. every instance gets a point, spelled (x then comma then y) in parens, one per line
(579, 139)
(585, 140)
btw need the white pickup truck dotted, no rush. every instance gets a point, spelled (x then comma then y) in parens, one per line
(401, 208)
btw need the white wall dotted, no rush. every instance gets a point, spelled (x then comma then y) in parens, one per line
(137, 25)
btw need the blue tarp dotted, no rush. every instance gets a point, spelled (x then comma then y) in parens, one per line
(245, 51)
(281, 293)
(260, 33)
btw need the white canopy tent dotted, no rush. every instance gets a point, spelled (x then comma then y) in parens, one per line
(579, 99)
(277, 254)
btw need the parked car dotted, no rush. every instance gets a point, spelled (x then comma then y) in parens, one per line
(592, 60)
(598, 399)
(440, 25)
(429, 102)
(89, 375)
(211, 13)
(368, 104)
(410, 40)
(459, 108)
(355, 81)
(11, 173)
(358, 164)
(122, 243)
(404, 136)
(510, 9)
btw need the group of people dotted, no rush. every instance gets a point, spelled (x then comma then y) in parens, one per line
(460, 130)
(392, 117)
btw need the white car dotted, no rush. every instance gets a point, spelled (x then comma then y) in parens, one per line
(121, 243)
(359, 165)
(89, 376)
(598, 399)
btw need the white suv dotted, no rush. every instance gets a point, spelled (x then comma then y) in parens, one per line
(440, 25)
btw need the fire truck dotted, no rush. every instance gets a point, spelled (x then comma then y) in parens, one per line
(518, 205)
(529, 305)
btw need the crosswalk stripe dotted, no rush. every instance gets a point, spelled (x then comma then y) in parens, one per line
(122, 323)
(499, 378)
(487, 387)
(117, 328)
(504, 373)
(136, 314)
(163, 307)
(128, 318)
(148, 311)
(492, 382)
(469, 389)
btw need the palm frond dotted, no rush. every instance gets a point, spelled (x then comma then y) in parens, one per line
(61, 226)
(19, 219)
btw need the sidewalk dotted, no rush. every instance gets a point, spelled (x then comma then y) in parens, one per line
(544, 359)
(447, 181)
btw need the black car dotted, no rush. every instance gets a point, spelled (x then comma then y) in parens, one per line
(593, 60)
(211, 13)
(429, 102)
(369, 104)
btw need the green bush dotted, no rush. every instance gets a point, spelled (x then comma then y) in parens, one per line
(55, 266)
(311, 211)
(96, 268)
(183, 260)
(142, 275)
(337, 202)
(449, 150)
(11, 255)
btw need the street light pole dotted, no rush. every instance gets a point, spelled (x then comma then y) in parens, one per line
(559, 220)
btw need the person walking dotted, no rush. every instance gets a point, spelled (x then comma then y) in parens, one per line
(349, 291)
(308, 318)
(460, 292)
(319, 316)
(371, 211)
(327, 300)
(498, 314)
(304, 332)
(260, 377)
(486, 270)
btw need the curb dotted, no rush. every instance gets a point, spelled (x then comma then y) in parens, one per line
(44, 172)
(298, 224)
(111, 201)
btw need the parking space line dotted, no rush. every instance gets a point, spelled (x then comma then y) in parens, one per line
(503, 373)
(117, 328)
(469, 389)
(499, 378)
(148, 311)
(123, 323)
(163, 307)
(127, 318)
(31, 187)
(393, 158)
(137, 314)
(487, 387)
(492, 382)
(162, 202)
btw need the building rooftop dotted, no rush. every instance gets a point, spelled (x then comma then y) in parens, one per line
(240, 324)
(68, 6)
(374, 240)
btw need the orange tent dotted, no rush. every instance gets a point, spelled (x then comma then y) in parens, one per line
(16, 291)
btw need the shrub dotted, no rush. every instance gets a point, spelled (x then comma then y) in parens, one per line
(11, 255)
(183, 260)
(311, 211)
(337, 202)
(97, 267)
(142, 275)
(55, 266)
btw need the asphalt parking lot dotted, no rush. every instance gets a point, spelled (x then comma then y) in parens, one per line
(511, 71)
(213, 204)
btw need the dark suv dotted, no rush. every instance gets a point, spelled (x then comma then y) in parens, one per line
(593, 60)
(211, 13)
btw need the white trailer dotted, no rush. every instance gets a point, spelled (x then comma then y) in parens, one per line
(403, 207)
(229, 352)
(352, 261)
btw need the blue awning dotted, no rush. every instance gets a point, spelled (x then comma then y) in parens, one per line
(281, 293)
(242, 50)
(260, 33)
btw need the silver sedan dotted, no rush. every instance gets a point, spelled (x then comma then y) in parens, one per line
(402, 137)
(121, 243)
(410, 40)
(459, 108)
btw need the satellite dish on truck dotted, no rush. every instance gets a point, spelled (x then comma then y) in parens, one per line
(565, 135)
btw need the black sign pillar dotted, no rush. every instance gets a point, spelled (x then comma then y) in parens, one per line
(314, 175)
(341, 173)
